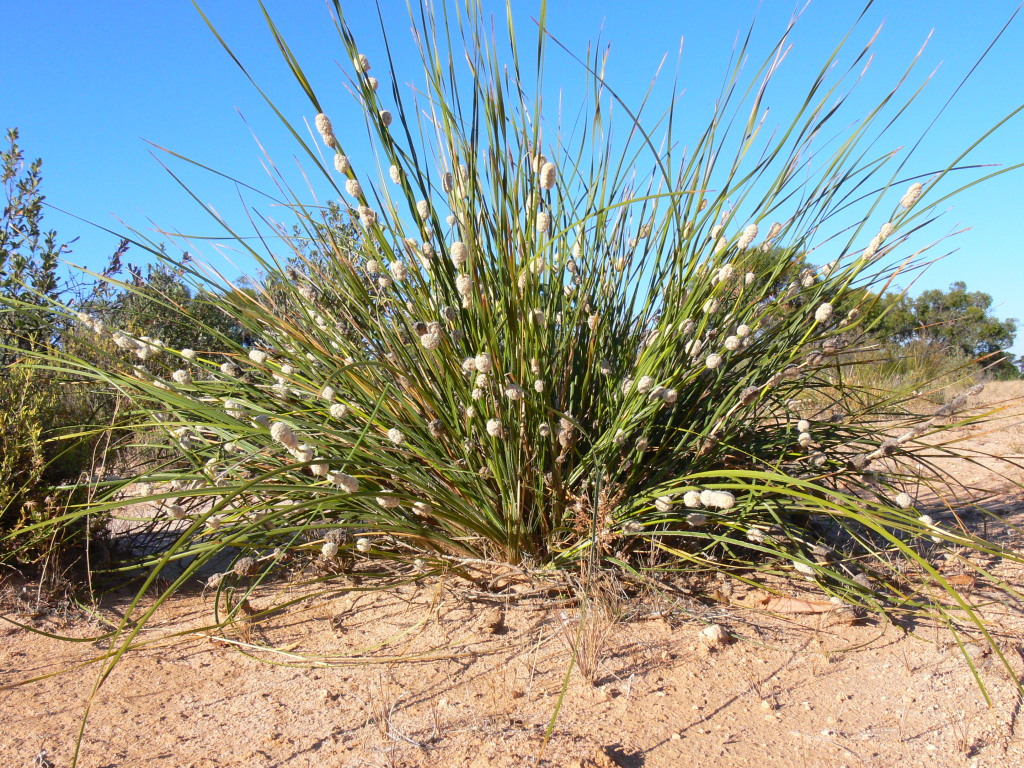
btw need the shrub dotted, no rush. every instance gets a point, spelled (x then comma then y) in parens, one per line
(537, 349)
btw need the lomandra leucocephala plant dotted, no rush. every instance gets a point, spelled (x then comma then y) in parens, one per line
(553, 350)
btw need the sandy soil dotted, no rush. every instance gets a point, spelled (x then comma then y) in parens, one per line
(445, 673)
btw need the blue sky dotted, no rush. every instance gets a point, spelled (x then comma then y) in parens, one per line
(90, 84)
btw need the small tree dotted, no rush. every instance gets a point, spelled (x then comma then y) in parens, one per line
(28, 258)
(959, 319)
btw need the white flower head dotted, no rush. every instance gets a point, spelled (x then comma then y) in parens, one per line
(645, 384)
(329, 549)
(338, 410)
(732, 343)
(342, 164)
(373, 266)
(913, 194)
(538, 385)
(388, 502)
(344, 482)
(717, 499)
(283, 434)
(458, 253)
(423, 209)
(747, 237)
(395, 436)
(495, 428)
(361, 63)
(326, 130)
(258, 356)
(363, 544)
(395, 173)
(823, 312)
(547, 175)
(696, 519)
(182, 376)
(386, 117)
(398, 270)
(464, 285)
(483, 363)
(367, 216)
(663, 504)
(903, 501)
(713, 361)
(354, 188)
(543, 221)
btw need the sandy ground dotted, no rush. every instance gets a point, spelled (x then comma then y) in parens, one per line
(444, 673)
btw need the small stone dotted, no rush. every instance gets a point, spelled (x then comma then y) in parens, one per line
(714, 636)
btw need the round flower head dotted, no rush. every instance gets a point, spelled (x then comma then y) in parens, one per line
(395, 173)
(353, 188)
(514, 392)
(711, 305)
(367, 216)
(713, 361)
(823, 312)
(912, 195)
(430, 340)
(326, 130)
(283, 434)
(342, 164)
(663, 504)
(372, 82)
(477, 394)
(696, 519)
(181, 376)
(805, 440)
(464, 285)
(644, 385)
(423, 209)
(538, 385)
(327, 393)
(388, 502)
(319, 468)
(188, 354)
(743, 331)
(361, 63)
(385, 117)
(176, 511)
(732, 343)
(436, 428)
(717, 499)
(469, 365)
(544, 429)
(458, 253)
(483, 362)
(803, 426)
(384, 282)
(395, 436)
(543, 221)
(747, 237)
(398, 270)
(257, 356)
(329, 549)
(547, 175)
(344, 482)
(422, 509)
(495, 428)
(903, 501)
(363, 545)
(886, 230)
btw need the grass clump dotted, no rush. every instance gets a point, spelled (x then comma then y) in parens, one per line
(557, 349)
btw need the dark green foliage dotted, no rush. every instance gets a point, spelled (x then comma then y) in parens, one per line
(958, 319)
(28, 258)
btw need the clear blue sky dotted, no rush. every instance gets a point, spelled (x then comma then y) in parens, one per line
(89, 83)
